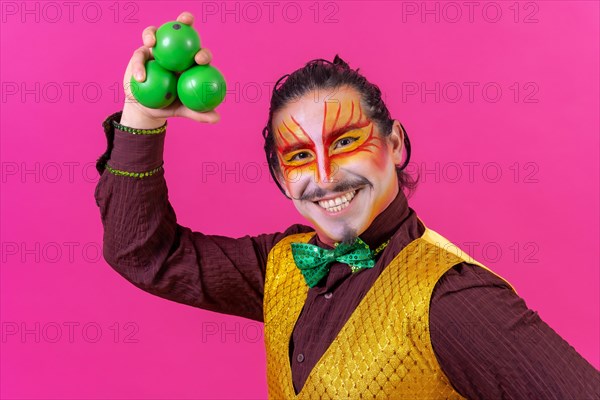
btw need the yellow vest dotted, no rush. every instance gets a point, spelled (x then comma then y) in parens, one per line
(384, 349)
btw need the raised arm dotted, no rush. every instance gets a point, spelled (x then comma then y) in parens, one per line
(142, 239)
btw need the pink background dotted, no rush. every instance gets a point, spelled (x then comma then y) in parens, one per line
(51, 138)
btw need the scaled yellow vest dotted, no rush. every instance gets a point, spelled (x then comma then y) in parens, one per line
(384, 349)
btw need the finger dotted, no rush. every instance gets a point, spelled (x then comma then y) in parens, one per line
(210, 117)
(138, 63)
(204, 56)
(149, 36)
(186, 17)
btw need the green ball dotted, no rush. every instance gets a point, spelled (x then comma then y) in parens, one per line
(176, 46)
(201, 88)
(159, 89)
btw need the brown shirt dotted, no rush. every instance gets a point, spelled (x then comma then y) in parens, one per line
(486, 339)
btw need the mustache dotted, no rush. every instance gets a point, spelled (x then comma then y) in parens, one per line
(342, 187)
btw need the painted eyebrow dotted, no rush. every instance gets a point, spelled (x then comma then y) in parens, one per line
(329, 138)
(334, 134)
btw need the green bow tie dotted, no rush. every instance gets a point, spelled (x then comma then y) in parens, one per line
(313, 261)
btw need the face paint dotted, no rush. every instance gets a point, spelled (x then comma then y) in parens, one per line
(335, 164)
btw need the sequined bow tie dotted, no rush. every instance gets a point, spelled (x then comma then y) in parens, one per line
(313, 261)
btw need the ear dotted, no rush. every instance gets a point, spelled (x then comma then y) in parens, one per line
(396, 142)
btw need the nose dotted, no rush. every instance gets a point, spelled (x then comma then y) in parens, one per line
(325, 172)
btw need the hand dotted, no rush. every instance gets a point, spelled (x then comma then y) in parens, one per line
(136, 115)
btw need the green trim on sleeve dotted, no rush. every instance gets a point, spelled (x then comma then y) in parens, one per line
(138, 175)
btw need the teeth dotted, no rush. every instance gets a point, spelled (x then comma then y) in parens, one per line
(339, 203)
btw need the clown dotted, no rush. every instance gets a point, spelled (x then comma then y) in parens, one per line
(337, 165)
(357, 305)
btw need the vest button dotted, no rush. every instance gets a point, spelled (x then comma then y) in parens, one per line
(300, 357)
(328, 295)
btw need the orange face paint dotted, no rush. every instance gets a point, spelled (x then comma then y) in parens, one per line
(297, 152)
(337, 144)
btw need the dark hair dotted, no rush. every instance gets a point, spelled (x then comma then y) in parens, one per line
(323, 74)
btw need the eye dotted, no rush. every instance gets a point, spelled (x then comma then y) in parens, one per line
(343, 142)
(300, 156)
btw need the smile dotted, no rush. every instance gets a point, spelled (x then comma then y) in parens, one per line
(338, 203)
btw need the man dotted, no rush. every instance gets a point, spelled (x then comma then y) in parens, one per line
(367, 301)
